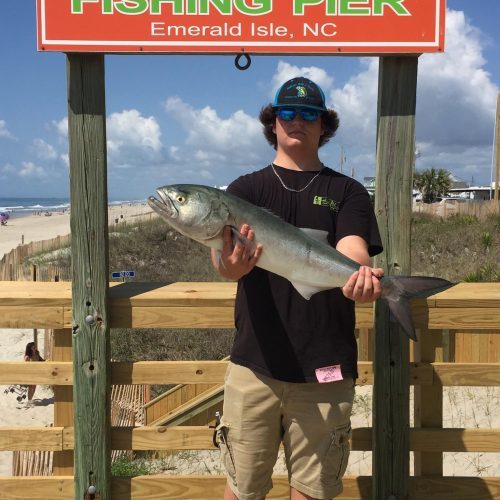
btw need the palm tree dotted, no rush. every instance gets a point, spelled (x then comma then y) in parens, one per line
(432, 183)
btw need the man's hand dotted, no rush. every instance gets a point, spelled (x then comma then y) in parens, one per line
(364, 285)
(236, 260)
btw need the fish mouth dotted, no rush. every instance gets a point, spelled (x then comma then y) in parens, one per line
(165, 208)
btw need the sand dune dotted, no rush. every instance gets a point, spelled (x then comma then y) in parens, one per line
(21, 230)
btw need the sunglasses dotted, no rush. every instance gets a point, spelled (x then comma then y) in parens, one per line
(289, 114)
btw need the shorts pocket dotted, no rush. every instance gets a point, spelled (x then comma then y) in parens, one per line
(223, 440)
(337, 455)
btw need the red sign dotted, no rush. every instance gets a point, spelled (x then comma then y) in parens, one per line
(252, 26)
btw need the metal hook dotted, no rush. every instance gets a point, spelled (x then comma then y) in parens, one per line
(244, 66)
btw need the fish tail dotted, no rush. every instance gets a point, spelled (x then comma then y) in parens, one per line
(398, 290)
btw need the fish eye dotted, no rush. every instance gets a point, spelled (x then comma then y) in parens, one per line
(180, 198)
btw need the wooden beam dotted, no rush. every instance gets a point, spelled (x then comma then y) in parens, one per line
(212, 372)
(393, 198)
(200, 438)
(90, 271)
(212, 488)
(210, 305)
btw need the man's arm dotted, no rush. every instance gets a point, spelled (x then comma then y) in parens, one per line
(235, 261)
(364, 284)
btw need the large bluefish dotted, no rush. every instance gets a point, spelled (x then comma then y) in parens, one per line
(303, 256)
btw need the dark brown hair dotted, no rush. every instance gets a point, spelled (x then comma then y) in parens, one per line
(329, 119)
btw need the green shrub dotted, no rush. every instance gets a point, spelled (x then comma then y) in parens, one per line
(130, 467)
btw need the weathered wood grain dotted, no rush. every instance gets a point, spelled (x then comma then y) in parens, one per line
(90, 271)
(393, 197)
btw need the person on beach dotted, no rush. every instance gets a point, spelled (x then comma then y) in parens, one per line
(32, 354)
(293, 363)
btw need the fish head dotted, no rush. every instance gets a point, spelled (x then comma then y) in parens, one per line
(195, 211)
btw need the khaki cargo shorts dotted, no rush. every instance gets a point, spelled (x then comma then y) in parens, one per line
(312, 421)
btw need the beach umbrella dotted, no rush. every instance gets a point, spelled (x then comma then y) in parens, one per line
(4, 217)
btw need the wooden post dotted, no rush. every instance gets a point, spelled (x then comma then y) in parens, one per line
(89, 250)
(497, 153)
(393, 202)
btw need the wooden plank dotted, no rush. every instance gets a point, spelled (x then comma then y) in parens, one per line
(199, 437)
(35, 293)
(63, 462)
(31, 438)
(455, 440)
(393, 198)
(162, 438)
(190, 294)
(212, 372)
(48, 373)
(31, 317)
(178, 372)
(486, 295)
(467, 305)
(428, 406)
(212, 488)
(467, 374)
(37, 488)
(171, 317)
(454, 488)
(90, 271)
(221, 294)
(467, 318)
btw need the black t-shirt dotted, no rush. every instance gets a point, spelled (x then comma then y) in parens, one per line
(279, 333)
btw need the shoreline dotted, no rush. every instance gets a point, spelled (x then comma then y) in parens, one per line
(29, 228)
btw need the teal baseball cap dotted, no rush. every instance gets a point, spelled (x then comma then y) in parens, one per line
(300, 92)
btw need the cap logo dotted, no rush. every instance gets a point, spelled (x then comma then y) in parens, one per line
(301, 91)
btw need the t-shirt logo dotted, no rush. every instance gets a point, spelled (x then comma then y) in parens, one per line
(324, 201)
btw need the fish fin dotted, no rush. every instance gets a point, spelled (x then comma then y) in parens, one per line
(317, 234)
(399, 290)
(307, 291)
(249, 245)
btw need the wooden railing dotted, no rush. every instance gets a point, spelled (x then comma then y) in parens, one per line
(182, 305)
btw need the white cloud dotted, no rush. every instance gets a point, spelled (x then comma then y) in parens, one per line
(456, 97)
(44, 150)
(4, 132)
(213, 142)
(132, 139)
(29, 170)
(455, 105)
(61, 127)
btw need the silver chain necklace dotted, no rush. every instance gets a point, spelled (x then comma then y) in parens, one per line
(296, 190)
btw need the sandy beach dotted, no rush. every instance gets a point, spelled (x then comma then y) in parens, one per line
(464, 407)
(26, 229)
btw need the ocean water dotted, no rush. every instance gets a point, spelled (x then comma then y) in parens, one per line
(19, 207)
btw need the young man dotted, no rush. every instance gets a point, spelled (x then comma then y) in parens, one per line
(293, 362)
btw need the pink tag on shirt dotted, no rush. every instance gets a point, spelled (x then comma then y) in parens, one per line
(329, 374)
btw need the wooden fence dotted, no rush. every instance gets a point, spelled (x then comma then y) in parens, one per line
(479, 209)
(14, 265)
(467, 306)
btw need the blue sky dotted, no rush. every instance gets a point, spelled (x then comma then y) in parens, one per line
(194, 118)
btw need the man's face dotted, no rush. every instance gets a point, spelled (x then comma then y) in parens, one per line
(298, 133)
